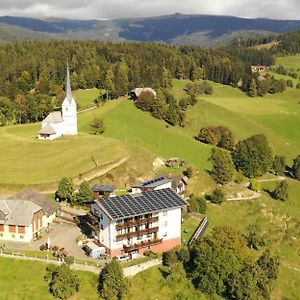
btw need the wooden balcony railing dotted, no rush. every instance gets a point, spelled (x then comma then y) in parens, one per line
(93, 228)
(140, 245)
(136, 222)
(127, 235)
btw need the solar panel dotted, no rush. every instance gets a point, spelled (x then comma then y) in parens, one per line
(128, 206)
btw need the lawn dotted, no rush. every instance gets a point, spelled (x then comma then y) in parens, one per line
(24, 280)
(45, 162)
(126, 123)
(188, 227)
(85, 98)
(277, 116)
(151, 285)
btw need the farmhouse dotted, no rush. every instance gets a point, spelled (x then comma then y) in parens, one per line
(178, 184)
(155, 184)
(25, 215)
(135, 93)
(136, 223)
(57, 123)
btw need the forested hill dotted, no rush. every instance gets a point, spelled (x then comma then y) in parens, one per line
(179, 29)
(33, 72)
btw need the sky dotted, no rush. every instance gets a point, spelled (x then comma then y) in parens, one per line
(110, 9)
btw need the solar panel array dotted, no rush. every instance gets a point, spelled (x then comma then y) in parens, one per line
(132, 205)
(152, 181)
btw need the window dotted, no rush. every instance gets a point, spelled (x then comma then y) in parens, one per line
(1, 227)
(13, 236)
(165, 213)
(165, 234)
(1, 234)
(21, 236)
(165, 223)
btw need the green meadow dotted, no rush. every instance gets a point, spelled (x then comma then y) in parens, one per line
(25, 280)
(131, 132)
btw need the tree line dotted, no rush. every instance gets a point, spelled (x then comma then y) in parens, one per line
(33, 72)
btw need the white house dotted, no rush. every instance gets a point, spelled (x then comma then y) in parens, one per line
(57, 123)
(139, 222)
(155, 184)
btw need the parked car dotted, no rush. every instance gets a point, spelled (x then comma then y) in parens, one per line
(122, 257)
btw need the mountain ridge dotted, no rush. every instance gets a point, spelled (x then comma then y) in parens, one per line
(202, 30)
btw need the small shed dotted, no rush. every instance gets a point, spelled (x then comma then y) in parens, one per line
(93, 250)
(100, 190)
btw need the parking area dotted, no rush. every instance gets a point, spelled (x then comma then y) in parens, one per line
(61, 235)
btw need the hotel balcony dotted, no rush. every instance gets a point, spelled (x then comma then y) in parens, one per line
(143, 244)
(127, 235)
(136, 222)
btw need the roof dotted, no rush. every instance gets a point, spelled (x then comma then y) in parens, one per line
(103, 188)
(133, 205)
(138, 91)
(39, 199)
(18, 212)
(48, 129)
(53, 117)
(69, 96)
(153, 183)
(93, 246)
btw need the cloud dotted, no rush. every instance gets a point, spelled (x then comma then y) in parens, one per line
(107, 9)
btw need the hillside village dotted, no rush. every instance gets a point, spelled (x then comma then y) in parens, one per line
(150, 171)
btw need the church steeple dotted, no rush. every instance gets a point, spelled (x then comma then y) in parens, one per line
(69, 95)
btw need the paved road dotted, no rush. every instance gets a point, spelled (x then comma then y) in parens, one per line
(133, 270)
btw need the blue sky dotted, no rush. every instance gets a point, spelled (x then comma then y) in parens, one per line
(107, 9)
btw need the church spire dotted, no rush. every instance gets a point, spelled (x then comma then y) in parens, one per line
(69, 95)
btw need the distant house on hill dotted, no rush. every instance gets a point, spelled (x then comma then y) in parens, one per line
(57, 123)
(134, 94)
(25, 215)
(155, 184)
(259, 69)
(178, 184)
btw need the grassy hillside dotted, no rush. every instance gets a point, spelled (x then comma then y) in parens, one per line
(25, 280)
(278, 116)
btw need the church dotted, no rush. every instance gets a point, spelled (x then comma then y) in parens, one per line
(57, 123)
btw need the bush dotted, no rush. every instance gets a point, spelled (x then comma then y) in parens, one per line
(281, 191)
(63, 282)
(188, 172)
(219, 136)
(197, 204)
(150, 254)
(217, 196)
(97, 126)
(254, 185)
(183, 254)
(169, 258)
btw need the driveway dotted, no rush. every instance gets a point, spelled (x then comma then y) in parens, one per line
(61, 235)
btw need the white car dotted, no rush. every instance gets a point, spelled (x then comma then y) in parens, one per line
(122, 257)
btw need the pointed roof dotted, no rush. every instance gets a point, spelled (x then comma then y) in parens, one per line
(48, 129)
(53, 117)
(69, 94)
